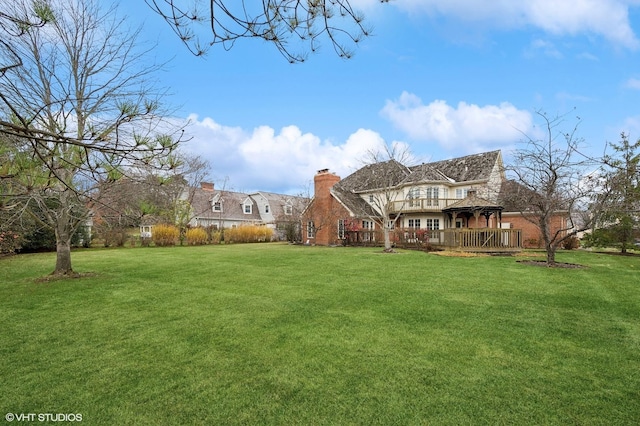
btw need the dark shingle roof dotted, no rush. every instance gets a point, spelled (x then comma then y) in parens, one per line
(473, 202)
(353, 202)
(375, 176)
(231, 205)
(464, 169)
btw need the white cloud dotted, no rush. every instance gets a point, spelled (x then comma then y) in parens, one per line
(284, 161)
(545, 47)
(633, 83)
(468, 127)
(607, 18)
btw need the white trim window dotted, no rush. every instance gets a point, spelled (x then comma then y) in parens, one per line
(368, 226)
(341, 229)
(288, 209)
(247, 208)
(217, 206)
(413, 196)
(311, 229)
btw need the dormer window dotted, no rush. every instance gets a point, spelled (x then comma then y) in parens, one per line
(216, 203)
(247, 209)
(288, 209)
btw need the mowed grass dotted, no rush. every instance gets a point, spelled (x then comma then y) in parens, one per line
(278, 334)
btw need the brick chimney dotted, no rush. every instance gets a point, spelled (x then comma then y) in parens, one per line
(206, 186)
(323, 181)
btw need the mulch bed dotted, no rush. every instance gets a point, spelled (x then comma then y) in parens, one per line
(555, 265)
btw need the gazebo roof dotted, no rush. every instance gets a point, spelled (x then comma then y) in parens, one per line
(473, 203)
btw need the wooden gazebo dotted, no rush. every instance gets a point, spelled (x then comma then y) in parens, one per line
(474, 206)
(481, 237)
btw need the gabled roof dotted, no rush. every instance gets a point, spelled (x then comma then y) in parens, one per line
(231, 205)
(353, 202)
(375, 176)
(464, 169)
(426, 173)
(274, 199)
(472, 203)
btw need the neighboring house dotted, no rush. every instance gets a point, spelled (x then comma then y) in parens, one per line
(229, 209)
(449, 203)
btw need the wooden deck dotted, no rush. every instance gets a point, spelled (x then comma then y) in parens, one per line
(481, 240)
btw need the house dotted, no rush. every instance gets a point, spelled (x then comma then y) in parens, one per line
(221, 209)
(453, 203)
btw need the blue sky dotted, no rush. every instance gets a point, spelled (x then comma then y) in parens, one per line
(446, 78)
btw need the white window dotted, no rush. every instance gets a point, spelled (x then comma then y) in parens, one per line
(217, 206)
(432, 194)
(266, 208)
(461, 193)
(367, 225)
(433, 224)
(414, 223)
(288, 209)
(413, 196)
(311, 230)
(341, 226)
(371, 198)
(247, 209)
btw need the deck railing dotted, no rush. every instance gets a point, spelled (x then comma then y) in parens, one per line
(477, 239)
(463, 239)
(421, 204)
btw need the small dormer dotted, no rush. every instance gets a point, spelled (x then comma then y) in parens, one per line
(216, 203)
(288, 208)
(247, 206)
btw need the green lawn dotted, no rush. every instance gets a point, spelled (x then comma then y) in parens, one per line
(279, 334)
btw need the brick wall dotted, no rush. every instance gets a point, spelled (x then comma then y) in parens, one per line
(324, 210)
(531, 235)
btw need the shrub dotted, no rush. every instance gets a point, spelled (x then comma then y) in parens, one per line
(9, 242)
(165, 235)
(571, 243)
(248, 234)
(196, 236)
(115, 236)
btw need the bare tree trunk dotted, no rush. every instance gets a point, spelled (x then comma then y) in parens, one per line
(64, 232)
(63, 256)
(387, 239)
(551, 254)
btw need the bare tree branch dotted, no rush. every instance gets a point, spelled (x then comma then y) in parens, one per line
(280, 22)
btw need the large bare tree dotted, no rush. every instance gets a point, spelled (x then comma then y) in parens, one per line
(294, 27)
(386, 166)
(552, 183)
(79, 105)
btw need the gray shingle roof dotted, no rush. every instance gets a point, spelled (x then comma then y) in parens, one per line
(231, 205)
(375, 176)
(465, 169)
(353, 202)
